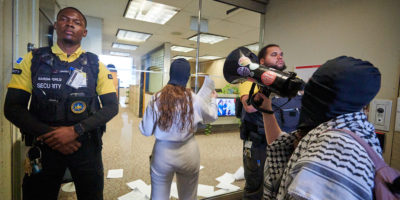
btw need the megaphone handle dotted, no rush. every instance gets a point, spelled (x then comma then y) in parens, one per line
(256, 105)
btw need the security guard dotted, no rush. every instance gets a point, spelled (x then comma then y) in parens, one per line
(252, 126)
(65, 121)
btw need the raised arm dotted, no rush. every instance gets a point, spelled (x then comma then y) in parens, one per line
(271, 127)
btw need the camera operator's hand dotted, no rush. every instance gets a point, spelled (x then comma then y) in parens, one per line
(266, 102)
(248, 108)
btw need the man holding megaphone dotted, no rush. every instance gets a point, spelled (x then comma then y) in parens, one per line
(252, 128)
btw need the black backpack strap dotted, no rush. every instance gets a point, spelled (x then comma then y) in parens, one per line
(93, 63)
(43, 54)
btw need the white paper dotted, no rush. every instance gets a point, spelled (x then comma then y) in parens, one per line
(228, 186)
(141, 186)
(205, 190)
(226, 178)
(239, 174)
(206, 90)
(201, 167)
(115, 173)
(134, 195)
(174, 190)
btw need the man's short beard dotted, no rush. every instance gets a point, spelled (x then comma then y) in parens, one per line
(278, 68)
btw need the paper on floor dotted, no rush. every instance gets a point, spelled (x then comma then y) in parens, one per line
(141, 186)
(226, 178)
(228, 186)
(134, 195)
(115, 173)
(174, 190)
(201, 167)
(68, 187)
(239, 174)
(205, 190)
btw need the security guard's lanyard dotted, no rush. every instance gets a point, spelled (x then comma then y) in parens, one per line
(77, 78)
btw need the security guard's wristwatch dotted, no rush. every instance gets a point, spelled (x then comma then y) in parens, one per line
(79, 129)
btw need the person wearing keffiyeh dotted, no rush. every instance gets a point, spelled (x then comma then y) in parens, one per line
(317, 161)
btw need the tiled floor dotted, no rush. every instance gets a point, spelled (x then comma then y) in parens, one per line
(124, 147)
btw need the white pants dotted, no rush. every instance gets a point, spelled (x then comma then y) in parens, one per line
(168, 158)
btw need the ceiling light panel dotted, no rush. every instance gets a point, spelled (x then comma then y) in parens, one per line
(253, 47)
(132, 36)
(209, 57)
(184, 57)
(208, 38)
(124, 46)
(116, 53)
(181, 49)
(149, 11)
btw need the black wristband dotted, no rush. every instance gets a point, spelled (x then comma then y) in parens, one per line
(79, 129)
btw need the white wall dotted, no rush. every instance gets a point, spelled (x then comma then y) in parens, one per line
(313, 31)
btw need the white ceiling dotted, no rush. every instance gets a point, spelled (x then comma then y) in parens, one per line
(241, 26)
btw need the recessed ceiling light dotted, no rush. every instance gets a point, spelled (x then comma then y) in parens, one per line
(209, 57)
(184, 57)
(253, 47)
(116, 53)
(149, 11)
(208, 38)
(124, 46)
(132, 35)
(181, 49)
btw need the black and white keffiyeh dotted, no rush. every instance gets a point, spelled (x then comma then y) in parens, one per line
(326, 164)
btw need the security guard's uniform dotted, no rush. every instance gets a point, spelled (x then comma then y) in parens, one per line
(64, 91)
(254, 142)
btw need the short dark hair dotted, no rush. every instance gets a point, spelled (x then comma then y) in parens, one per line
(73, 8)
(263, 51)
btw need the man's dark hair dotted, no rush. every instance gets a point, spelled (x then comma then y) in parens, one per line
(263, 51)
(76, 9)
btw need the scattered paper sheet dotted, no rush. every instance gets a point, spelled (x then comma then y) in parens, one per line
(228, 186)
(201, 167)
(68, 187)
(115, 173)
(205, 190)
(141, 186)
(239, 174)
(134, 195)
(226, 178)
(174, 190)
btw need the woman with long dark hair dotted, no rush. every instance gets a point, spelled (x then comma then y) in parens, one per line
(172, 116)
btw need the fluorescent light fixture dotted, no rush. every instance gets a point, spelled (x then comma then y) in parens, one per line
(185, 57)
(208, 38)
(116, 53)
(253, 47)
(181, 49)
(209, 57)
(124, 46)
(132, 35)
(149, 11)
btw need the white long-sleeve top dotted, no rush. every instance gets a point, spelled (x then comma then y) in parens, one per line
(203, 112)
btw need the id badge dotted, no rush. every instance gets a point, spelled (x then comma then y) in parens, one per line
(77, 79)
(248, 144)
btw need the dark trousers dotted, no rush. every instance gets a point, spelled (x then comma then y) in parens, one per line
(253, 164)
(86, 168)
